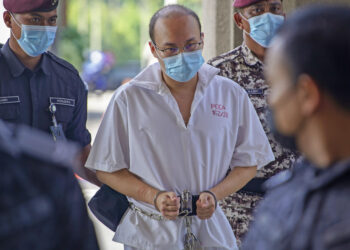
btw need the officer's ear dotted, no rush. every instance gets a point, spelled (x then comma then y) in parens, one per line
(238, 20)
(7, 19)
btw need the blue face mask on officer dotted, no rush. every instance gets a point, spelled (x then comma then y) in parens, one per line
(35, 39)
(264, 27)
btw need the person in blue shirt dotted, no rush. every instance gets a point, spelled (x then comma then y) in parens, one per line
(37, 211)
(36, 87)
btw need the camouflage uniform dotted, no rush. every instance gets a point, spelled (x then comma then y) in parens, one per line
(243, 67)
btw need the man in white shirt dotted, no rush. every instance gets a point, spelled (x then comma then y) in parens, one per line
(178, 126)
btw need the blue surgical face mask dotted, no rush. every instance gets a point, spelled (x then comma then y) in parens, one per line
(264, 27)
(183, 67)
(35, 39)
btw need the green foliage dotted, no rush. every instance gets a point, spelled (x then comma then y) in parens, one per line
(124, 27)
(121, 31)
(71, 46)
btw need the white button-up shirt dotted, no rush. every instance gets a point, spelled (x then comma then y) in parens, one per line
(144, 132)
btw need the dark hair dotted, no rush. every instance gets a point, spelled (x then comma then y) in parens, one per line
(168, 11)
(317, 43)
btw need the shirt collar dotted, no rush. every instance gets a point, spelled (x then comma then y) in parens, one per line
(249, 57)
(16, 66)
(151, 77)
(44, 64)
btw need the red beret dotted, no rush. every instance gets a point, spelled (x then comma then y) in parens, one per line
(23, 6)
(244, 3)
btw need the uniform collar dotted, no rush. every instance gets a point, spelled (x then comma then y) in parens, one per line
(151, 77)
(249, 57)
(16, 66)
(44, 64)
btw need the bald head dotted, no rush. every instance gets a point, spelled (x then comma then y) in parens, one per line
(171, 11)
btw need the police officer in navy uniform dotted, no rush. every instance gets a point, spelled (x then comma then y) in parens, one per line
(41, 204)
(36, 87)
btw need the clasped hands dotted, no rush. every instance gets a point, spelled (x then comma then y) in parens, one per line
(168, 204)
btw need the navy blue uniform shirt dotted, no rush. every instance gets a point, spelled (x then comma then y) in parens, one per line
(25, 95)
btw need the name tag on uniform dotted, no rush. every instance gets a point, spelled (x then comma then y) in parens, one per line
(62, 101)
(255, 91)
(9, 99)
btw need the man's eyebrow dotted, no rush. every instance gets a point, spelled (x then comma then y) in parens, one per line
(191, 39)
(35, 15)
(174, 45)
(38, 15)
(275, 3)
(256, 5)
(169, 44)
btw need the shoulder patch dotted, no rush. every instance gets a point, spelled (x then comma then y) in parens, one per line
(62, 62)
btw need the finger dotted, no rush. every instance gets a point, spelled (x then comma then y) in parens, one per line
(171, 208)
(204, 216)
(204, 211)
(172, 195)
(171, 202)
(170, 215)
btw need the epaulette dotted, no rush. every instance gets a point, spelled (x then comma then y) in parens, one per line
(62, 62)
(20, 140)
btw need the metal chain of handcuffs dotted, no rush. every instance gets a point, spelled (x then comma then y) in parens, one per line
(190, 240)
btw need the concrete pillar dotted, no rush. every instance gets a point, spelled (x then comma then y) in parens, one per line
(217, 22)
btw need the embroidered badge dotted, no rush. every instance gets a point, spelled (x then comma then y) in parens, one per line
(9, 99)
(255, 91)
(62, 101)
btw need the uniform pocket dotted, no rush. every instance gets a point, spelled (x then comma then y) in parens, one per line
(9, 111)
(64, 115)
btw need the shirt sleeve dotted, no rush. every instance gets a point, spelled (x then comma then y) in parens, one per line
(110, 151)
(77, 130)
(252, 146)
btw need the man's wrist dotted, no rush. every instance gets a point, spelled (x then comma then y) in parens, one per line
(156, 197)
(212, 194)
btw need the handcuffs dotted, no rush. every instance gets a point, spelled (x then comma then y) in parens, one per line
(188, 208)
